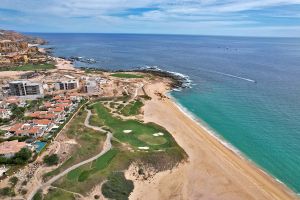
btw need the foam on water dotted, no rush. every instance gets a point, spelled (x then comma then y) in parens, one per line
(186, 81)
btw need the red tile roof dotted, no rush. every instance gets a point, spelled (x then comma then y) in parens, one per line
(15, 127)
(48, 104)
(42, 115)
(42, 121)
(57, 109)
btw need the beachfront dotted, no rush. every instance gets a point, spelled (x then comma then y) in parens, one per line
(213, 170)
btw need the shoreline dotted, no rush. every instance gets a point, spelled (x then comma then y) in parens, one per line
(224, 142)
(63, 64)
(215, 169)
(195, 119)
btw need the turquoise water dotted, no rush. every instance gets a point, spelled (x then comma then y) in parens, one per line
(246, 89)
(39, 146)
(270, 140)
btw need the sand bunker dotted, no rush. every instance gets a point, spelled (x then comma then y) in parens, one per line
(158, 134)
(71, 142)
(127, 131)
(144, 148)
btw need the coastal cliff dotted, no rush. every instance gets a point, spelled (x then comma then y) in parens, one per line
(19, 49)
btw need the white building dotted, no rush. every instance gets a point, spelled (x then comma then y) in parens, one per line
(91, 87)
(67, 85)
(26, 89)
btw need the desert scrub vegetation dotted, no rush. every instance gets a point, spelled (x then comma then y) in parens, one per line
(117, 186)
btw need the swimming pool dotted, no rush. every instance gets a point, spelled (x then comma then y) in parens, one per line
(39, 145)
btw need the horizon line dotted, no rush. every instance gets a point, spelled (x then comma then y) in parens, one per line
(166, 34)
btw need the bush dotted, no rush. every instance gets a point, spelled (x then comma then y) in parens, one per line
(7, 191)
(117, 186)
(51, 160)
(38, 196)
(24, 183)
(17, 112)
(13, 181)
(19, 138)
(22, 156)
(23, 191)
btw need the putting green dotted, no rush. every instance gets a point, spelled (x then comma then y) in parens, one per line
(152, 140)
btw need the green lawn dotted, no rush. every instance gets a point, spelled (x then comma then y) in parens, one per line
(132, 108)
(125, 75)
(29, 67)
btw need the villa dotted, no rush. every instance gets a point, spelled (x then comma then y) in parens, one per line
(26, 129)
(44, 123)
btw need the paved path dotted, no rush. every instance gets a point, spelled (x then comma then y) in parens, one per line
(106, 147)
(87, 123)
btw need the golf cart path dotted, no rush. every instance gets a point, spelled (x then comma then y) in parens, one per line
(106, 147)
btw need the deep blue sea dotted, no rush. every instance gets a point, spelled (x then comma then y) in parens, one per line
(246, 89)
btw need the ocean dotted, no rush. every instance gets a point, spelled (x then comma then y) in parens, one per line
(247, 90)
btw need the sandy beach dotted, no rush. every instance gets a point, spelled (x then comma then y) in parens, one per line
(62, 64)
(213, 171)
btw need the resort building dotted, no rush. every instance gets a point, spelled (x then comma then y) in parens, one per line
(67, 85)
(26, 89)
(91, 87)
(8, 149)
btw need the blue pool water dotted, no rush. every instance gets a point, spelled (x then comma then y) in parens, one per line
(39, 145)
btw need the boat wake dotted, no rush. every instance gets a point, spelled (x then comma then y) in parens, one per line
(230, 75)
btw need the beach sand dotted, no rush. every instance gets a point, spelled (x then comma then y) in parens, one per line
(63, 64)
(213, 171)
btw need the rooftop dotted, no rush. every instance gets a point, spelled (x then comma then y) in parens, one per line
(11, 147)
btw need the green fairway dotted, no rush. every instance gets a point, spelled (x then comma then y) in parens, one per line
(89, 141)
(29, 67)
(84, 178)
(95, 121)
(163, 154)
(81, 174)
(124, 75)
(118, 126)
(58, 194)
